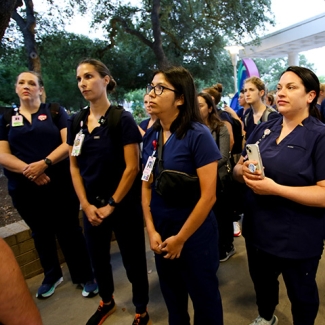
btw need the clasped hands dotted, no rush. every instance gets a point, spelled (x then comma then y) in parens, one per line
(35, 173)
(171, 247)
(97, 215)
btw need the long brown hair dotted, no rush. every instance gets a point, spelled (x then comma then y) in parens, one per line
(214, 121)
(215, 91)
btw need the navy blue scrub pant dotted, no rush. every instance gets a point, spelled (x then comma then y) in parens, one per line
(127, 224)
(223, 210)
(193, 274)
(51, 211)
(299, 277)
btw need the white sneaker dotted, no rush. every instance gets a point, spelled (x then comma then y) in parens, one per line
(261, 321)
(237, 231)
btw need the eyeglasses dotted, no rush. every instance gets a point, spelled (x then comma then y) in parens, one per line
(158, 89)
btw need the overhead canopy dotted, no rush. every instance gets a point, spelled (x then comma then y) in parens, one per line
(303, 36)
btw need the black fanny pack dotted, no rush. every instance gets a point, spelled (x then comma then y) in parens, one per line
(178, 189)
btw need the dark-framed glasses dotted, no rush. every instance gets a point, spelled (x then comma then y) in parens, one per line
(158, 89)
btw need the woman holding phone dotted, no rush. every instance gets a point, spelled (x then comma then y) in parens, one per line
(284, 212)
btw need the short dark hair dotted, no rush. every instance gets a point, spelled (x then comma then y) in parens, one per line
(310, 82)
(189, 112)
(103, 71)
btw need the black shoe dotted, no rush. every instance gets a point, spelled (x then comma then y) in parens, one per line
(138, 320)
(102, 313)
(225, 257)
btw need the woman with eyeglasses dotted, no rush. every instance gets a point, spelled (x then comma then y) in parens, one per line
(183, 234)
(104, 163)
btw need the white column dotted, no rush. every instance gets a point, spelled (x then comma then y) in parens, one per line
(234, 64)
(293, 58)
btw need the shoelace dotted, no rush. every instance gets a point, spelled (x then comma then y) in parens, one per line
(137, 319)
(101, 305)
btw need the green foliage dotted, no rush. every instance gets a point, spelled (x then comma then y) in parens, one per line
(136, 99)
(60, 54)
(321, 79)
(193, 33)
(271, 69)
(10, 66)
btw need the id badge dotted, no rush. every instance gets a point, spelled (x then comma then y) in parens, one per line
(148, 169)
(17, 120)
(77, 144)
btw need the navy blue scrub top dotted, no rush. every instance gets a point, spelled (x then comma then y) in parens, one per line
(144, 124)
(101, 166)
(33, 141)
(250, 125)
(277, 225)
(195, 150)
(225, 116)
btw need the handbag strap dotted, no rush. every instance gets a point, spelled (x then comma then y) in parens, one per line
(160, 149)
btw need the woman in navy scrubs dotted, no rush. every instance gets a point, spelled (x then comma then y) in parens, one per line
(147, 123)
(184, 239)
(33, 151)
(284, 212)
(103, 173)
(254, 90)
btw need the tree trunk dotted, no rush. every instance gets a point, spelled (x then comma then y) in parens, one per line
(27, 27)
(157, 44)
(7, 7)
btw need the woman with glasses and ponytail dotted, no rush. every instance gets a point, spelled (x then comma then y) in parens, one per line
(183, 234)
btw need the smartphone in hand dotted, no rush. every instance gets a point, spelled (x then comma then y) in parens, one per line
(253, 153)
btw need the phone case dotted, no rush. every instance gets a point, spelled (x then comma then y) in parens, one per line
(253, 153)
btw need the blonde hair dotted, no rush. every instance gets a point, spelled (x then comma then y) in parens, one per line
(322, 87)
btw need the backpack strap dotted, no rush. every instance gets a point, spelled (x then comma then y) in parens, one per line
(113, 121)
(54, 110)
(80, 116)
(266, 113)
(7, 115)
(246, 115)
(264, 117)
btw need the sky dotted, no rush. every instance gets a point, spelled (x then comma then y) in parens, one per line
(287, 12)
(290, 12)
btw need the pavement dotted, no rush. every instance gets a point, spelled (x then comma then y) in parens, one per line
(68, 307)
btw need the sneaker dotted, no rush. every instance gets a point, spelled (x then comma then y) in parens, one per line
(102, 312)
(90, 289)
(138, 320)
(261, 321)
(237, 231)
(227, 255)
(47, 289)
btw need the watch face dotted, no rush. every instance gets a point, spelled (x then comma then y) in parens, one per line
(48, 161)
(111, 202)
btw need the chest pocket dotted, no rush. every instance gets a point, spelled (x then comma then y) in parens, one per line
(294, 166)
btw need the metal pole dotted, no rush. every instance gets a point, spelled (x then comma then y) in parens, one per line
(235, 78)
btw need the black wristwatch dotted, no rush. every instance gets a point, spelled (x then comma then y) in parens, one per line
(112, 202)
(48, 161)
